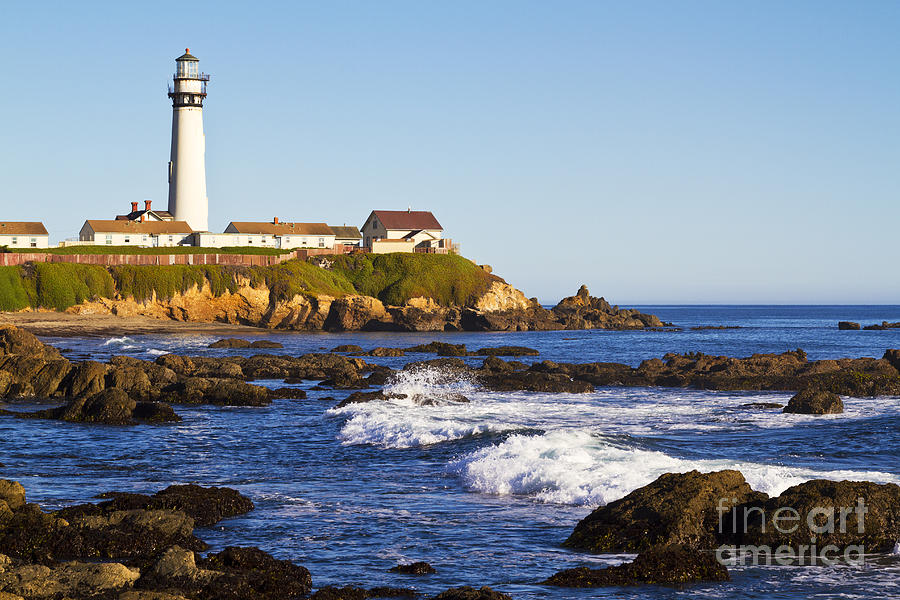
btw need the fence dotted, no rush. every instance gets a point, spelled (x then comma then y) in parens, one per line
(248, 260)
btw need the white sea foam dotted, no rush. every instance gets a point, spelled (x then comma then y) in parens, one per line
(576, 467)
(156, 352)
(896, 550)
(118, 341)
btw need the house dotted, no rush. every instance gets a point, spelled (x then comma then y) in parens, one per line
(23, 234)
(348, 236)
(145, 215)
(404, 231)
(136, 233)
(277, 234)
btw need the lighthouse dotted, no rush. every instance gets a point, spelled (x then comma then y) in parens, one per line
(187, 163)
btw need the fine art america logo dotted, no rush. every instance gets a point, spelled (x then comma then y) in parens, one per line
(790, 529)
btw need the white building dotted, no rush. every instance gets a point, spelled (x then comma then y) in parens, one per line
(187, 165)
(23, 234)
(281, 235)
(347, 236)
(136, 233)
(403, 231)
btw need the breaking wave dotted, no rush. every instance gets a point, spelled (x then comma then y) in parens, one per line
(576, 467)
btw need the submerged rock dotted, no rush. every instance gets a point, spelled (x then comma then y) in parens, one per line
(441, 349)
(416, 568)
(469, 593)
(230, 343)
(848, 325)
(657, 565)
(815, 402)
(508, 351)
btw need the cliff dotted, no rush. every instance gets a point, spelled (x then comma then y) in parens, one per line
(384, 292)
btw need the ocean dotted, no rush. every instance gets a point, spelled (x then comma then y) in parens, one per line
(487, 491)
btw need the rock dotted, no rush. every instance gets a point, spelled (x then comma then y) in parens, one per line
(17, 341)
(386, 352)
(657, 565)
(815, 402)
(353, 313)
(269, 344)
(533, 381)
(206, 505)
(78, 580)
(221, 392)
(350, 348)
(441, 349)
(416, 568)
(252, 573)
(111, 406)
(508, 351)
(155, 412)
(448, 364)
(176, 562)
(362, 397)
(470, 593)
(848, 325)
(892, 357)
(12, 493)
(132, 380)
(356, 593)
(762, 405)
(230, 343)
(86, 378)
(845, 513)
(677, 508)
(287, 394)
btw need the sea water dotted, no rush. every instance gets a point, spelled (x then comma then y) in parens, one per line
(486, 491)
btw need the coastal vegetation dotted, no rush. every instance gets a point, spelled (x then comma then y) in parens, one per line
(392, 278)
(100, 249)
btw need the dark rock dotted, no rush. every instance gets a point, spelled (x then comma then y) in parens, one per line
(349, 348)
(362, 397)
(447, 364)
(508, 351)
(386, 352)
(206, 505)
(221, 392)
(155, 412)
(357, 593)
(815, 402)
(85, 379)
(848, 325)
(469, 593)
(657, 565)
(266, 344)
(533, 381)
(253, 574)
(846, 513)
(111, 406)
(17, 341)
(416, 568)
(674, 509)
(12, 493)
(893, 357)
(287, 394)
(131, 380)
(762, 405)
(230, 343)
(441, 349)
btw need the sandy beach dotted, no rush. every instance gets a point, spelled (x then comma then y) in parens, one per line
(68, 325)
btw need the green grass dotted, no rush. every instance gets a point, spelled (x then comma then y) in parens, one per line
(143, 282)
(59, 286)
(295, 277)
(395, 278)
(13, 294)
(392, 278)
(137, 250)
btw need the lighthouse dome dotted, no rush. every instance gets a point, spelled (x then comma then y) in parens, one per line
(187, 56)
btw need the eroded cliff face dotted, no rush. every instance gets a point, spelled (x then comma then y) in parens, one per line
(501, 308)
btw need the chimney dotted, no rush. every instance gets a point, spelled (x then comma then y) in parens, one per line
(275, 220)
(143, 218)
(134, 207)
(147, 204)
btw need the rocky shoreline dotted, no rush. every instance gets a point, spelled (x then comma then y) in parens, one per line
(144, 547)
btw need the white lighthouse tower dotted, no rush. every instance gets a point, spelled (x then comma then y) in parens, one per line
(187, 166)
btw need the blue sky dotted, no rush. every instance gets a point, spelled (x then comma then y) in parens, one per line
(660, 152)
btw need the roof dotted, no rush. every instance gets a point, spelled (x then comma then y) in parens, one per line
(187, 56)
(416, 232)
(407, 219)
(22, 228)
(149, 227)
(346, 232)
(135, 216)
(281, 228)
